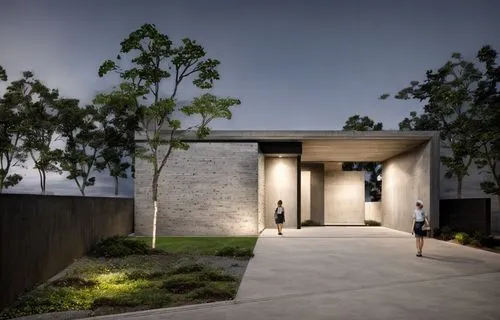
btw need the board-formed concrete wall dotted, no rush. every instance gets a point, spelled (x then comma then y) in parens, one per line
(210, 189)
(407, 178)
(317, 191)
(373, 211)
(305, 194)
(344, 195)
(281, 184)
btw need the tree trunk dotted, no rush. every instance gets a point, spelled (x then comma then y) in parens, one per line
(459, 187)
(155, 204)
(44, 179)
(116, 186)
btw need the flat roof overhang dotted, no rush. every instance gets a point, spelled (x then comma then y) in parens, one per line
(326, 146)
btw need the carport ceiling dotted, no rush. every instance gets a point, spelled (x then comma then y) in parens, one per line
(359, 150)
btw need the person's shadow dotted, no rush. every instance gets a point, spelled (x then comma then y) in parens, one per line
(451, 259)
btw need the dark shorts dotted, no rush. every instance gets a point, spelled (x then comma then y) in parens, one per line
(418, 229)
(280, 218)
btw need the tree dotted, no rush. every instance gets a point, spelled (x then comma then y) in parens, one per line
(39, 122)
(447, 93)
(358, 123)
(486, 112)
(119, 126)
(154, 61)
(11, 152)
(84, 141)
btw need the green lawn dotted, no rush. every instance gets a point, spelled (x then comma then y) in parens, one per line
(200, 245)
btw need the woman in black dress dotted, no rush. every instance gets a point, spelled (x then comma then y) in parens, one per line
(279, 217)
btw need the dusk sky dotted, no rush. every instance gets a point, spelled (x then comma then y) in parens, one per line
(294, 64)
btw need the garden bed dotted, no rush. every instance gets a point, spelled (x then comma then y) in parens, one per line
(125, 275)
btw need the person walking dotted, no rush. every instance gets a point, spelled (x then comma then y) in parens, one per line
(419, 227)
(279, 217)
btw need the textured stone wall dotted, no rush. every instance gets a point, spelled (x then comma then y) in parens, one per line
(210, 189)
(262, 193)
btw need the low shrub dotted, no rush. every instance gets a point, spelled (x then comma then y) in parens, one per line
(462, 238)
(216, 275)
(310, 223)
(114, 302)
(188, 268)
(213, 293)
(445, 233)
(140, 275)
(234, 252)
(73, 282)
(182, 283)
(372, 223)
(117, 247)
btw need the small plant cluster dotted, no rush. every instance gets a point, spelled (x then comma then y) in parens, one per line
(476, 239)
(125, 287)
(234, 251)
(310, 223)
(119, 246)
(372, 223)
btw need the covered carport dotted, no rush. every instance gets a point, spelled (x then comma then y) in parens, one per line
(304, 169)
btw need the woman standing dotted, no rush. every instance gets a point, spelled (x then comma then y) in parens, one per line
(279, 217)
(419, 221)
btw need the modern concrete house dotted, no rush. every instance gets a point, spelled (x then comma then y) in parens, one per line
(229, 183)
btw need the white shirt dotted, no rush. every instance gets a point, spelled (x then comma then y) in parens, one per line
(419, 215)
(279, 210)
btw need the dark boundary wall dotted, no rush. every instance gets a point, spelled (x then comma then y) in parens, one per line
(41, 235)
(466, 215)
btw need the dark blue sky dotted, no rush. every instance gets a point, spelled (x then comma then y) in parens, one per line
(294, 64)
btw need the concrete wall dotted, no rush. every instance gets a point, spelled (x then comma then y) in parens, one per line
(42, 235)
(344, 195)
(262, 193)
(210, 189)
(407, 178)
(281, 184)
(373, 211)
(305, 194)
(317, 190)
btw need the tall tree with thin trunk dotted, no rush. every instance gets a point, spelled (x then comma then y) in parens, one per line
(11, 132)
(39, 122)
(119, 122)
(80, 128)
(448, 95)
(154, 61)
(486, 112)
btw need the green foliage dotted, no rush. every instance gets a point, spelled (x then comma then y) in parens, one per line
(486, 110)
(74, 282)
(447, 94)
(445, 233)
(188, 268)
(310, 223)
(119, 122)
(3, 74)
(182, 283)
(231, 251)
(12, 154)
(119, 247)
(462, 238)
(199, 245)
(153, 61)
(358, 123)
(372, 223)
(80, 127)
(213, 292)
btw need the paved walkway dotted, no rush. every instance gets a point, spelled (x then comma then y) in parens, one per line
(355, 273)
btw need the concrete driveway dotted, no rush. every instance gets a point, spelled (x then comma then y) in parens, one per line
(356, 273)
